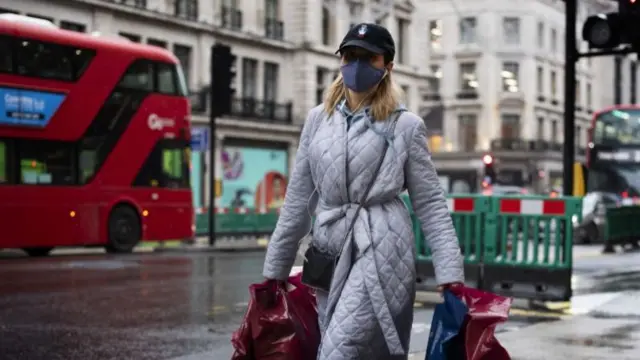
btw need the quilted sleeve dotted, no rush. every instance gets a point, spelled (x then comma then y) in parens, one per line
(295, 218)
(430, 205)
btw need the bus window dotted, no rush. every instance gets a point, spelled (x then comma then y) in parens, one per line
(44, 60)
(139, 76)
(165, 167)
(182, 82)
(6, 55)
(166, 79)
(48, 163)
(3, 163)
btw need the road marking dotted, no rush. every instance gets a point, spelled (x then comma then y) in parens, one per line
(419, 328)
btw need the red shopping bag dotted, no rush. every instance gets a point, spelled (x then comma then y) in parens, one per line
(281, 323)
(486, 311)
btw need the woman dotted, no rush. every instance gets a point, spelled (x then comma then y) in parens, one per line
(368, 311)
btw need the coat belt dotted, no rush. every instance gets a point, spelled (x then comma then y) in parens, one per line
(362, 238)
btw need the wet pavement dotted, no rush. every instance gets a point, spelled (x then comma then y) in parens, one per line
(159, 305)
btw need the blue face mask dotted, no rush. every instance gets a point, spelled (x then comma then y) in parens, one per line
(361, 76)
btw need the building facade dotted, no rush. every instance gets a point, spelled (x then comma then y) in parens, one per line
(285, 60)
(500, 88)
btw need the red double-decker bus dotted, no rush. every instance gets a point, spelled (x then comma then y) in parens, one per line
(94, 141)
(613, 154)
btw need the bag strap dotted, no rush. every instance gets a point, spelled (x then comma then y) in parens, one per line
(392, 128)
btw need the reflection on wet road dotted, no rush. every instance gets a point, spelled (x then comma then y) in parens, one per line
(164, 306)
(128, 307)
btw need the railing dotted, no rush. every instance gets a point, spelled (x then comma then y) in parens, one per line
(231, 18)
(274, 29)
(264, 110)
(246, 108)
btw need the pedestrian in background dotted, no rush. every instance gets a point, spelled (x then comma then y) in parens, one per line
(362, 258)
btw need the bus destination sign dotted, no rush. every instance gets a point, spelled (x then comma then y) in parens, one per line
(618, 155)
(28, 108)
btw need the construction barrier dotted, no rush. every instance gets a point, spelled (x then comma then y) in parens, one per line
(514, 246)
(622, 225)
(518, 246)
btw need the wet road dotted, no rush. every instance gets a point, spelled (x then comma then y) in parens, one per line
(142, 306)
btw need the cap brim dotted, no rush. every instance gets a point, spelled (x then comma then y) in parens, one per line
(361, 44)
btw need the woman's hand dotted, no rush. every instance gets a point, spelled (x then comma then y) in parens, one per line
(444, 287)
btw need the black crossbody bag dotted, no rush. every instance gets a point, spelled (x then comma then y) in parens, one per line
(319, 266)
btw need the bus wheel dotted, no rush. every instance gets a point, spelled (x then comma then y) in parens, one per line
(38, 251)
(124, 230)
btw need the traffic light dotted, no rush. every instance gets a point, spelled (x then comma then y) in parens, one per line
(223, 74)
(608, 31)
(489, 170)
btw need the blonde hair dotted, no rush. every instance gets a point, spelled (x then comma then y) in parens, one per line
(384, 99)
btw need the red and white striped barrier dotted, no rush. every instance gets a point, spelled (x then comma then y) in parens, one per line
(460, 204)
(533, 207)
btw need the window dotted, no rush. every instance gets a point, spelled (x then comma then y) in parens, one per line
(45, 60)
(270, 90)
(6, 55)
(72, 26)
(554, 40)
(468, 128)
(589, 95)
(540, 35)
(167, 166)
(578, 93)
(46, 162)
(326, 26)
(554, 131)
(4, 163)
(272, 9)
(633, 77)
(554, 84)
(167, 79)
(132, 37)
(355, 13)
(578, 137)
(540, 79)
(510, 77)
(435, 34)
(8, 11)
(405, 95)
(468, 77)
(511, 30)
(510, 126)
(158, 43)
(540, 129)
(249, 78)
(139, 76)
(468, 28)
(434, 81)
(187, 9)
(403, 40)
(183, 53)
(323, 77)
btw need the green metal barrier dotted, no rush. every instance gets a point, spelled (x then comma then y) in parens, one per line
(518, 246)
(467, 213)
(528, 247)
(622, 225)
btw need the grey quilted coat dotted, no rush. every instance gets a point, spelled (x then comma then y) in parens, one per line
(369, 311)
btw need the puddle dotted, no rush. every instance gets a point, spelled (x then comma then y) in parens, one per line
(617, 338)
(613, 282)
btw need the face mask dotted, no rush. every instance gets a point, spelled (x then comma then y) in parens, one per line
(361, 76)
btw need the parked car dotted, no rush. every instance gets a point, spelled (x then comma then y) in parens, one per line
(590, 228)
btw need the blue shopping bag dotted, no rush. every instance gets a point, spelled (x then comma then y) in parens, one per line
(448, 322)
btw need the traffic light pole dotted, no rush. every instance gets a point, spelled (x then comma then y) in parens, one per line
(212, 157)
(570, 59)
